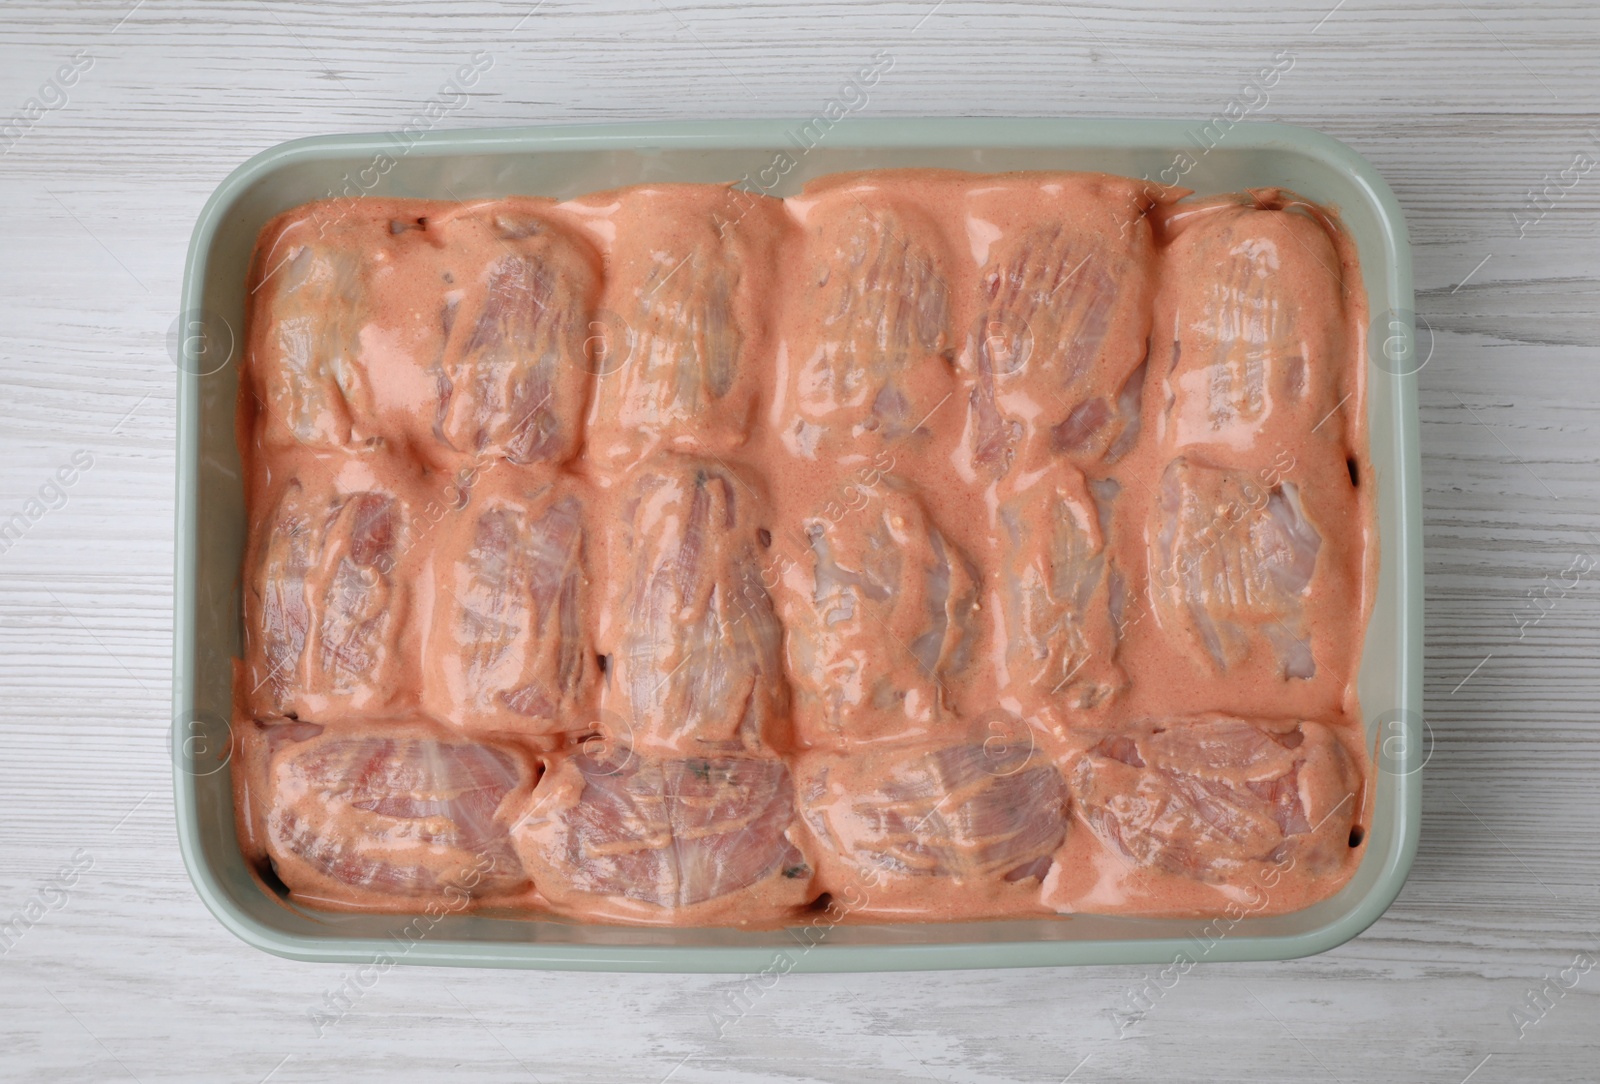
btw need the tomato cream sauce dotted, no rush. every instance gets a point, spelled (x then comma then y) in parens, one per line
(924, 546)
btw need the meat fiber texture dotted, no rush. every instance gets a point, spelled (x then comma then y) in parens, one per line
(882, 571)
(1223, 801)
(367, 821)
(690, 636)
(923, 546)
(662, 838)
(511, 579)
(682, 333)
(973, 821)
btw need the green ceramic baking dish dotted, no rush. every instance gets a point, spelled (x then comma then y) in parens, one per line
(776, 156)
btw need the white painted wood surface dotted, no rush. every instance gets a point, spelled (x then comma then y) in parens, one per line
(1463, 106)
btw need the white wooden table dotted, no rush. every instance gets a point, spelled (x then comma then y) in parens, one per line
(1463, 108)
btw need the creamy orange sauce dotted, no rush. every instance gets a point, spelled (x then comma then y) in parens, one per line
(925, 546)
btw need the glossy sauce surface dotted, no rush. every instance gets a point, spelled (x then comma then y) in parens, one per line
(925, 546)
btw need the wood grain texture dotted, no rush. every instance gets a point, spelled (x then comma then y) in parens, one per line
(1462, 106)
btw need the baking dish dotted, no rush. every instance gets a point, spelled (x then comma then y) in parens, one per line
(776, 157)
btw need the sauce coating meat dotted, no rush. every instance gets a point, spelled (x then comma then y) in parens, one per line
(1056, 590)
(1232, 559)
(1055, 359)
(880, 572)
(325, 610)
(514, 375)
(683, 328)
(690, 634)
(650, 839)
(1206, 798)
(869, 354)
(975, 818)
(511, 583)
(356, 821)
(920, 546)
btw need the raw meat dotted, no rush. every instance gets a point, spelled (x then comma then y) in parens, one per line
(970, 814)
(309, 375)
(508, 646)
(693, 643)
(326, 610)
(1055, 593)
(1253, 299)
(515, 376)
(1206, 798)
(400, 818)
(1035, 468)
(871, 357)
(881, 612)
(669, 833)
(683, 322)
(1055, 361)
(1231, 563)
